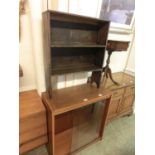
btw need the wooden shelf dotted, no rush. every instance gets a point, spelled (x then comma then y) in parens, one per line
(71, 98)
(73, 69)
(71, 43)
(78, 45)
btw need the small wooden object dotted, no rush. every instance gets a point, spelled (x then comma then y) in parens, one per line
(111, 47)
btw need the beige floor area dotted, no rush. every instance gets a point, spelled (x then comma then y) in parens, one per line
(119, 139)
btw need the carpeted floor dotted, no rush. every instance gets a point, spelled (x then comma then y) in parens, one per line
(119, 139)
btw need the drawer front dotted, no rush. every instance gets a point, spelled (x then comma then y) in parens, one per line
(130, 90)
(128, 102)
(33, 144)
(117, 46)
(32, 122)
(32, 134)
(118, 92)
(113, 108)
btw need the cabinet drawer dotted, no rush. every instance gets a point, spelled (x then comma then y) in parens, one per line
(33, 144)
(130, 90)
(118, 92)
(31, 135)
(32, 122)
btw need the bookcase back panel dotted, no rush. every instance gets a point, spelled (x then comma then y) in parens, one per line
(69, 60)
(71, 32)
(73, 36)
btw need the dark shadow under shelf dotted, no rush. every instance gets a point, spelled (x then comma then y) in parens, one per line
(73, 69)
(74, 44)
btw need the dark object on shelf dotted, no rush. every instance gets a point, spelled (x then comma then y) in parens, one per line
(72, 43)
(20, 71)
(111, 47)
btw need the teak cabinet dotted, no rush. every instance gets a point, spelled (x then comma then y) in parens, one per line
(72, 43)
(76, 118)
(32, 121)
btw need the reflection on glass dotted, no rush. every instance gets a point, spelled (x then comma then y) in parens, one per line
(77, 128)
(118, 11)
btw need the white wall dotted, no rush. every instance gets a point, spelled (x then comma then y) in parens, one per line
(31, 57)
(26, 53)
(131, 59)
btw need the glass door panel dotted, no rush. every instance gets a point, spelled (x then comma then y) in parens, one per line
(78, 128)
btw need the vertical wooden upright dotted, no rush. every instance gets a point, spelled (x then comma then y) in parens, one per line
(47, 50)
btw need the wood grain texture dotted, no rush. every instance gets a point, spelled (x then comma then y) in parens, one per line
(33, 144)
(123, 95)
(71, 98)
(72, 119)
(32, 121)
(30, 104)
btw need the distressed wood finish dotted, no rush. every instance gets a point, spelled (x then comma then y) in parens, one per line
(123, 95)
(32, 121)
(73, 43)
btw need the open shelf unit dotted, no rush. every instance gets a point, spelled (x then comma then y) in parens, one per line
(73, 43)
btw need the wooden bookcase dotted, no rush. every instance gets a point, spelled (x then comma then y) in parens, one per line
(72, 43)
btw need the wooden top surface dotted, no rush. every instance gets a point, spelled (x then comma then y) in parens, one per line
(55, 14)
(67, 99)
(114, 45)
(71, 98)
(122, 78)
(30, 104)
